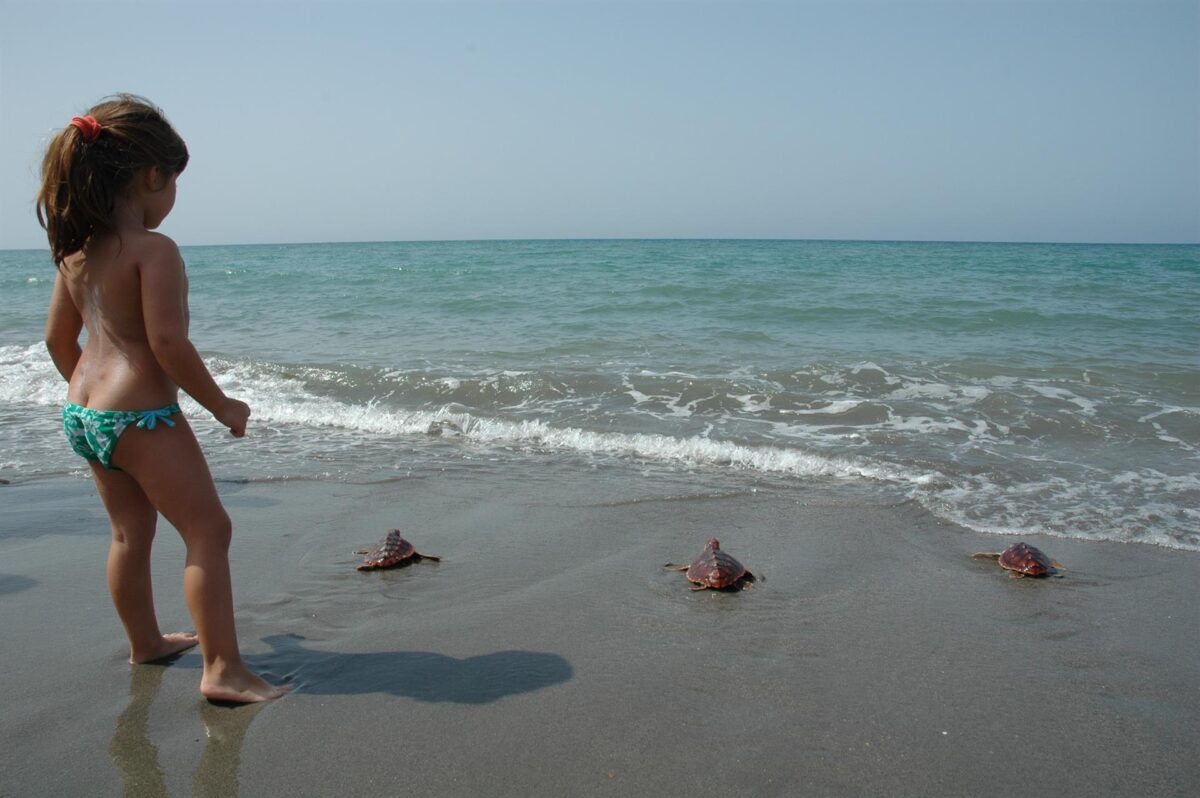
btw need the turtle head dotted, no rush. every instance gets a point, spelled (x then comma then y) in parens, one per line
(712, 543)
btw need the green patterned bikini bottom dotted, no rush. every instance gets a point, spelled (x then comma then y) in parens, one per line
(93, 433)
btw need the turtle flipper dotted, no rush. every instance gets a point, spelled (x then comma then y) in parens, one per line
(992, 555)
(697, 588)
(675, 567)
(1058, 565)
(1015, 575)
(429, 557)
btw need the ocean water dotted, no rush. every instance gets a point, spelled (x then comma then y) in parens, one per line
(1011, 388)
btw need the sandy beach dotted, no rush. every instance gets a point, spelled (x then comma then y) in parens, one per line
(549, 652)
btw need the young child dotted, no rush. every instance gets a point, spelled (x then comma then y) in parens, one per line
(108, 180)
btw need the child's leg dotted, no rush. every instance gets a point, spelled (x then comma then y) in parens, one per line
(133, 519)
(170, 469)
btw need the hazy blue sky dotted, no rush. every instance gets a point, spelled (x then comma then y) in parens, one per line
(321, 121)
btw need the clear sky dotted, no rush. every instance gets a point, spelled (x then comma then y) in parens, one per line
(997, 120)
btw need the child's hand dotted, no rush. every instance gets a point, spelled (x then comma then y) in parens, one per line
(233, 414)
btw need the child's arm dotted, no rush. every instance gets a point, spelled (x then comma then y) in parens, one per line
(63, 324)
(165, 313)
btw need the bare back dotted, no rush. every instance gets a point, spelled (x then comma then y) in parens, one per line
(117, 369)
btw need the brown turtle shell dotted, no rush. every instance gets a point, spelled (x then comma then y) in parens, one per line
(1021, 559)
(390, 552)
(1027, 560)
(716, 569)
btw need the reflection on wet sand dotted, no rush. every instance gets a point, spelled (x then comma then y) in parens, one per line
(132, 752)
(136, 757)
(217, 773)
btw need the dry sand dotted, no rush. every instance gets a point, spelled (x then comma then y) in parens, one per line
(550, 654)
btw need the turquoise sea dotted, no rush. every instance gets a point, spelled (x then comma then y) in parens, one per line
(1012, 388)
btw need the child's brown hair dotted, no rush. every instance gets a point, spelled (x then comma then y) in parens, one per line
(83, 174)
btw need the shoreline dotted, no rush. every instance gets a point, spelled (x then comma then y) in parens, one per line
(550, 652)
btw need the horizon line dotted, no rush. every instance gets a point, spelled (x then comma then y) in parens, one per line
(679, 238)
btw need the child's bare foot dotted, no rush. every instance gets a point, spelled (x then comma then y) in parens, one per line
(244, 688)
(170, 645)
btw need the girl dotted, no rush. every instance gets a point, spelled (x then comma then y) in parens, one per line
(108, 180)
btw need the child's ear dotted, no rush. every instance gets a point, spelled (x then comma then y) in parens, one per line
(155, 179)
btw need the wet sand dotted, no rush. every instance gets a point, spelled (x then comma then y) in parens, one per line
(550, 654)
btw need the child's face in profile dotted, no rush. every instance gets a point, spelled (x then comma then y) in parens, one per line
(160, 201)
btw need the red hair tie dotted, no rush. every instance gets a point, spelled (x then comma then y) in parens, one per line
(88, 126)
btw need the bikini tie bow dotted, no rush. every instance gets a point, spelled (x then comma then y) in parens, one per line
(151, 418)
(88, 126)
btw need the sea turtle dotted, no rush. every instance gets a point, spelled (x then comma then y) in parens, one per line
(390, 552)
(1021, 559)
(715, 569)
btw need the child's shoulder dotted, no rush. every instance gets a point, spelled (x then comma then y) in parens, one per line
(151, 248)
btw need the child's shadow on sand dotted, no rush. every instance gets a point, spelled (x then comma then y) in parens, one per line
(15, 583)
(421, 675)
